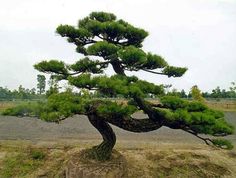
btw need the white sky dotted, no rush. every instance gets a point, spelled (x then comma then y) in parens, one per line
(198, 34)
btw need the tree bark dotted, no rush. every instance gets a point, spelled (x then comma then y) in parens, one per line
(117, 67)
(102, 151)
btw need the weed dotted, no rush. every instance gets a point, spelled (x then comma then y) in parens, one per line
(37, 154)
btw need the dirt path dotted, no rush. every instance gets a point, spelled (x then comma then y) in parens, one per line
(78, 128)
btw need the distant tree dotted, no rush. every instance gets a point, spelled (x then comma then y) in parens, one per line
(183, 94)
(216, 93)
(53, 86)
(196, 94)
(41, 85)
(33, 91)
(232, 92)
(206, 95)
(5, 94)
(22, 92)
(222, 93)
(104, 41)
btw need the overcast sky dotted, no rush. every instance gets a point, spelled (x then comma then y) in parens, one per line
(197, 34)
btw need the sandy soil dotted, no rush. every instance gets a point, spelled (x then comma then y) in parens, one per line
(79, 128)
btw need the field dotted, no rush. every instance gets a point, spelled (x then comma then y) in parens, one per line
(32, 148)
(144, 160)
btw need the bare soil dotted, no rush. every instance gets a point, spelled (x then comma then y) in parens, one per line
(79, 128)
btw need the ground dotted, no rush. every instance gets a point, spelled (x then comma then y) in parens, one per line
(43, 149)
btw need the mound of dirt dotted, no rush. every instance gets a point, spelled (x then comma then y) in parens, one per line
(83, 167)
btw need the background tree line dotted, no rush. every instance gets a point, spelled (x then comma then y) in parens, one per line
(41, 93)
(215, 93)
(24, 93)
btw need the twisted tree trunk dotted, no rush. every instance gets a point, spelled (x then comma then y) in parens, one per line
(103, 150)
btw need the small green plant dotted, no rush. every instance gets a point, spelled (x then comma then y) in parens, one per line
(37, 154)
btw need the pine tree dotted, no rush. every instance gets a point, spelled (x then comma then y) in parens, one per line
(106, 41)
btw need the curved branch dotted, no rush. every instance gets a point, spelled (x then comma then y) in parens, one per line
(146, 70)
(206, 140)
(147, 107)
(134, 125)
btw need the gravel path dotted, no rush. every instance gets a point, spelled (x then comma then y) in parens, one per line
(78, 127)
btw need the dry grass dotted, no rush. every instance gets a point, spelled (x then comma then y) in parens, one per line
(170, 160)
(181, 163)
(222, 105)
(6, 105)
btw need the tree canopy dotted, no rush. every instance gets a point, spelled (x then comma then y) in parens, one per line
(106, 41)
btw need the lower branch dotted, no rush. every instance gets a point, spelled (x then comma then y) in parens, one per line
(133, 125)
(206, 140)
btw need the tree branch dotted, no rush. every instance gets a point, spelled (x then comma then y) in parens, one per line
(146, 70)
(206, 140)
(132, 124)
(125, 122)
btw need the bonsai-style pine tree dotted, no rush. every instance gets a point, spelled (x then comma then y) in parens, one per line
(106, 41)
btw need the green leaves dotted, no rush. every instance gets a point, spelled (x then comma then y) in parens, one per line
(154, 61)
(222, 143)
(104, 25)
(114, 30)
(118, 42)
(61, 105)
(102, 16)
(82, 81)
(132, 57)
(172, 71)
(108, 109)
(135, 36)
(73, 33)
(102, 49)
(111, 86)
(94, 27)
(52, 66)
(173, 102)
(87, 65)
(195, 116)
(196, 106)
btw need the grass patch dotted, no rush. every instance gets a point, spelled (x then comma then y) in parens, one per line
(27, 161)
(21, 163)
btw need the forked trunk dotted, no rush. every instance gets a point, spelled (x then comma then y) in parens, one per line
(102, 151)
